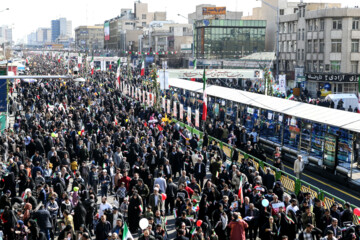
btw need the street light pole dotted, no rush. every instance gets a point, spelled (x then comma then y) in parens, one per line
(276, 8)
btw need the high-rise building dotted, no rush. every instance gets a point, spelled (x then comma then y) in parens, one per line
(61, 27)
(5, 34)
(55, 29)
(43, 35)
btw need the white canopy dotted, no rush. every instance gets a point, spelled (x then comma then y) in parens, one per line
(348, 99)
(333, 117)
(30, 80)
(79, 80)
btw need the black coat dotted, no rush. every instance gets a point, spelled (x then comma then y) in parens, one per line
(102, 230)
(80, 216)
(43, 219)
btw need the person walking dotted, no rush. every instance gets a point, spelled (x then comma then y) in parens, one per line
(298, 167)
(237, 227)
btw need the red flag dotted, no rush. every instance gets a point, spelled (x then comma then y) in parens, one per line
(142, 73)
(193, 79)
(240, 192)
(160, 128)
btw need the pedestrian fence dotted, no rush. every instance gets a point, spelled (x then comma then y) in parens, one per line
(290, 183)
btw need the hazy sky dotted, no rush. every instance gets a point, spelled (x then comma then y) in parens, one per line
(26, 16)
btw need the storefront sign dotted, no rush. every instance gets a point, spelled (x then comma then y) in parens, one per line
(282, 83)
(332, 77)
(214, 10)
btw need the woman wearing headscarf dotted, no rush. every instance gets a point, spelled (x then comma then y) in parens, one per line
(134, 211)
(203, 207)
(27, 211)
(8, 220)
(80, 215)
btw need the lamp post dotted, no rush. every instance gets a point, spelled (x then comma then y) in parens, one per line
(276, 8)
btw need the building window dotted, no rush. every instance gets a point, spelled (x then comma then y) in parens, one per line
(185, 29)
(309, 46)
(316, 46)
(143, 24)
(355, 23)
(143, 16)
(290, 27)
(315, 67)
(322, 24)
(281, 11)
(303, 34)
(349, 88)
(290, 46)
(336, 45)
(298, 54)
(294, 46)
(316, 25)
(299, 34)
(321, 45)
(302, 54)
(321, 66)
(309, 66)
(171, 29)
(337, 23)
(309, 25)
(296, 10)
(355, 45)
(335, 66)
(354, 67)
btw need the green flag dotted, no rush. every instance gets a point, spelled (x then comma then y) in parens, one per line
(126, 233)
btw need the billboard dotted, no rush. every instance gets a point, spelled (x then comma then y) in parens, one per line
(214, 10)
(107, 31)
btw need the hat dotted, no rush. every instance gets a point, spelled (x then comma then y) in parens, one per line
(20, 222)
(115, 208)
(8, 191)
(104, 170)
(156, 189)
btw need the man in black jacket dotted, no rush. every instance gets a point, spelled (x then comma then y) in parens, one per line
(103, 228)
(200, 172)
(170, 195)
(253, 214)
(43, 220)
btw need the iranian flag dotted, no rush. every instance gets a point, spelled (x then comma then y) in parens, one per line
(116, 121)
(204, 114)
(240, 192)
(195, 63)
(118, 75)
(126, 233)
(290, 97)
(27, 61)
(79, 61)
(193, 232)
(59, 59)
(142, 73)
(92, 65)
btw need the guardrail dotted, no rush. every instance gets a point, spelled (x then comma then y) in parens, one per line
(290, 183)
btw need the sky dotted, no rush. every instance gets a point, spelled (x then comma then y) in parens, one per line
(26, 16)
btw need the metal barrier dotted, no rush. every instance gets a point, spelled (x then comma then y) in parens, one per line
(290, 183)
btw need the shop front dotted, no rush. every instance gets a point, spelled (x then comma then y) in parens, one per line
(321, 85)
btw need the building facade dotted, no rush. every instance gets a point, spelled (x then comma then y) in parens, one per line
(5, 34)
(89, 37)
(322, 46)
(61, 28)
(228, 39)
(122, 29)
(268, 12)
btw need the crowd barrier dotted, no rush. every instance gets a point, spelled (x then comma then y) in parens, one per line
(290, 183)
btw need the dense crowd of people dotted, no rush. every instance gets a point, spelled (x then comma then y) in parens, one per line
(84, 161)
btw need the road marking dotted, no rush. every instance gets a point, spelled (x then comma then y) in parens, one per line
(326, 184)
